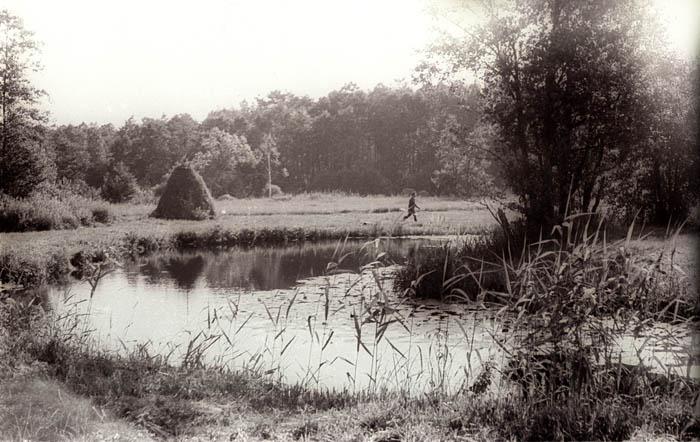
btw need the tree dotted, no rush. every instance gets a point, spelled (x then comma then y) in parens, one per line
(151, 149)
(24, 159)
(563, 85)
(72, 156)
(658, 178)
(227, 164)
(464, 168)
(269, 149)
(119, 184)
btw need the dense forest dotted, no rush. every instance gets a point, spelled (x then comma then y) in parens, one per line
(573, 107)
(366, 142)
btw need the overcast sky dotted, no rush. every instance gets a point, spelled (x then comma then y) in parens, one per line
(107, 60)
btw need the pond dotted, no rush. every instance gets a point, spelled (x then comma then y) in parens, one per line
(315, 314)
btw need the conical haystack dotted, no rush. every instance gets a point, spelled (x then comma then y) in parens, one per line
(185, 196)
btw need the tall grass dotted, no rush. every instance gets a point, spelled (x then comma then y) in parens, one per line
(501, 269)
(43, 211)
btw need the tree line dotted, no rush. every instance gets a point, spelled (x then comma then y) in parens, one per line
(380, 141)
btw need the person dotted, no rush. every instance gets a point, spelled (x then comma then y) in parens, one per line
(412, 206)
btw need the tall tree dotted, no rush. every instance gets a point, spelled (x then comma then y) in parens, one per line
(24, 159)
(564, 86)
(228, 165)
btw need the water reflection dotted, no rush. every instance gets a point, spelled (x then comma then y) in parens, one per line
(277, 306)
(267, 268)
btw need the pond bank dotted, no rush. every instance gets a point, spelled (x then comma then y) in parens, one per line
(36, 258)
(193, 401)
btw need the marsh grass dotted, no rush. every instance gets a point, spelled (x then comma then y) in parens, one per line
(499, 269)
(43, 211)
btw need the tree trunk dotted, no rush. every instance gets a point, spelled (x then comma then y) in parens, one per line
(269, 176)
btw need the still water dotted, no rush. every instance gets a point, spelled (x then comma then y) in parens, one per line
(318, 314)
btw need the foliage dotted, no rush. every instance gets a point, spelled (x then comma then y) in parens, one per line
(24, 160)
(567, 89)
(465, 169)
(227, 164)
(50, 211)
(659, 179)
(272, 190)
(82, 152)
(510, 268)
(118, 185)
(152, 148)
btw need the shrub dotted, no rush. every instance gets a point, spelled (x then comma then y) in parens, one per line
(276, 190)
(101, 213)
(119, 184)
(470, 272)
(38, 212)
(51, 209)
(144, 196)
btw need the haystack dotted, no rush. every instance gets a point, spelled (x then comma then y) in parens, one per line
(185, 196)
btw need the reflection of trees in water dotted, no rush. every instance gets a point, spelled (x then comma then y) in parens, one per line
(185, 272)
(263, 268)
(183, 269)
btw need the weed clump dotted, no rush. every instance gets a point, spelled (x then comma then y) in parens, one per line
(51, 211)
(186, 196)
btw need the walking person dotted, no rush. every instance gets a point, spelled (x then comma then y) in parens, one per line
(412, 206)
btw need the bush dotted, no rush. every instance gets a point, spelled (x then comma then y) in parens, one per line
(51, 210)
(145, 196)
(101, 213)
(276, 190)
(470, 272)
(119, 184)
(493, 270)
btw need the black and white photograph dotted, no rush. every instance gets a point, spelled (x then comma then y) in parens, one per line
(349, 221)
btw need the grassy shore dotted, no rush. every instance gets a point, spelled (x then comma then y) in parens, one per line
(56, 384)
(32, 258)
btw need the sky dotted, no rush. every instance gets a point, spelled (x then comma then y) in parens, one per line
(107, 60)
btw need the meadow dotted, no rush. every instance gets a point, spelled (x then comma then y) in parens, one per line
(35, 257)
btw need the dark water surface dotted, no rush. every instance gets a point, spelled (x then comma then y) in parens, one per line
(307, 313)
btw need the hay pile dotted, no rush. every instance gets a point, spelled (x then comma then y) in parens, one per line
(185, 197)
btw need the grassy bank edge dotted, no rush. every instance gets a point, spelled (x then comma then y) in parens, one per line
(34, 266)
(213, 403)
